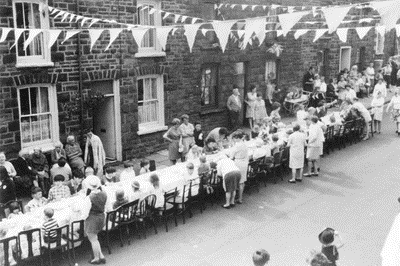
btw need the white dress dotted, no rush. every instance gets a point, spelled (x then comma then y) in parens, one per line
(251, 99)
(296, 142)
(240, 154)
(377, 110)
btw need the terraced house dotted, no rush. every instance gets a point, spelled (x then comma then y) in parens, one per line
(130, 92)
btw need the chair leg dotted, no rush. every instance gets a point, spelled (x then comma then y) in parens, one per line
(50, 259)
(154, 225)
(144, 228)
(176, 220)
(69, 256)
(166, 223)
(108, 242)
(120, 236)
(73, 251)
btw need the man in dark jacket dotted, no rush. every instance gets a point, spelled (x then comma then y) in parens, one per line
(308, 80)
(40, 166)
(25, 174)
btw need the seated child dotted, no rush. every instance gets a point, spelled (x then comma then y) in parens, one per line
(110, 177)
(211, 147)
(120, 199)
(157, 190)
(193, 153)
(11, 261)
(191, 176)
(15, 211)
(144, 167)
(260, 151)
(37, 200)
(204, 174)
(335, 124)
(128, 173)
(255, 132)
(49, 224)
(275, 147)
(59, 190)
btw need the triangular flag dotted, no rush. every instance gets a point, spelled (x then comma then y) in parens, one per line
(397, 31)
(174, 30)
(84, 20)
(388, 10)
(244, 7)
(314, 11)
(69, 34)
(204, 32)
(319, 33)
(250, 41)
(78, 17)
(253, 7)
(194, 20)
(342, 34)
(298, 33)
(53, 35)
(4, 34)
(264, 7)
(287, 21)
(138, 35)
(362, 31)
(240, 33)
(334, 16)
(222, 30)
(55, 10)
(114, 33)
(166, 15)
(215, 6)
(274, 6)
(290, 9)
(50, 8)
(380, 30)
(279, 33)
(65, 16)
(72, 18)
(17, 34)
(152, 11)
(32, 34)
(220, 5)
(162, 36)
(59, 14)
(303, 8)
(233, 6)
(95, 20)
(184, 19)
(254, 25)
(190, 33)
(94, 36)
(177, 17)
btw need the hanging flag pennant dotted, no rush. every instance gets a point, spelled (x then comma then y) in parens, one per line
(17, 34)
(84, 20)
(342, 34)
(380, 30)
(53, 36)
(319, 33)
(183, 19)
(253, 7)
(290, 9)
(114, 33)
(279, 33)
(254, 25)
(287, 21)
(397, 31)
(299, 33)
(362, 31)
(244, 7)
(222, 30)
(334, 16)
(166, 15)
(204, 32)
(240, 33)
(65, 16)
(138, 35)
(274, 6)
(50, 8)
(162, 36)
(303, 8)
(72, 18)
(4, 34)
(233, 6)
(314, 11)
(177, 17)
(220, 5)
(190, 33)
(194, 20)
(69, 34)
(78, 18)
(264, 7)
(55, 10)
(215, 6)
(174, 30)
(93, 21)
(388, 10)
(32, 34)
(152, 11)
(59, 14)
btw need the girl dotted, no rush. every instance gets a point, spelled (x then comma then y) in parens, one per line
(275, 116)
(377, 111)
(144, 167)
(251, 99)
(395, 105)
(157, 190)
(259, 109)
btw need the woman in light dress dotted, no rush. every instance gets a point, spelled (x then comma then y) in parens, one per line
(260, 112)
(187, 130)
(251, 101)
(395, 106)
(173, 135)
(301, 115)
(377, 111)
(297, 142)
(240, 154)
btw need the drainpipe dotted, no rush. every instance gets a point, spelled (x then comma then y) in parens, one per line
(80, 87)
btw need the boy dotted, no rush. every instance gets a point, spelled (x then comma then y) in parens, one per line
(198, 135)
(75, 184)
(120, 199)
(49, 224)
(110, 177)
(59, 190)
(260, 257)
(144, 166)
(204, 173)
(37, 200)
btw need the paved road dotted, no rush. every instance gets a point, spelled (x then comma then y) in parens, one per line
(355, 194)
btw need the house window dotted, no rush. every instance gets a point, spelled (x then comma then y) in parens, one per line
(147, 17)
(270, 70)
(32, 14)
(379, 43)
(209, 86)
(150, 103)
(38, 115)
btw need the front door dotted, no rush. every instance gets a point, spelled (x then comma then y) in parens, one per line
(345, 58)
(240, 80)
(104, 125)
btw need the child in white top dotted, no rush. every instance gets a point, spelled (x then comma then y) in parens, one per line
(37, 200)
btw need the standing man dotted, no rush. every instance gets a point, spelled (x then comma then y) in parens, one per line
(234, 105)
(95, 156)
(387, 74)
(308, 80)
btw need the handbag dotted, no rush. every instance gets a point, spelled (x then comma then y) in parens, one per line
(181, 147)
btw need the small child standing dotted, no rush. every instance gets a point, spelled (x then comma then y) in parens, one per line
(327, 237)
(49, 224)
(204, 174)
(260, 112)
(198, 135)
(120, 199)
(144, 167)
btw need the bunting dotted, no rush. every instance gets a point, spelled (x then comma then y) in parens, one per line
(162, 36)
(287, 21)
(362, 31)
(222, 30)
(94, 36)
(32, 34)
(4, 34)
(190, 33)
(17, 34)
(319, 33)
(93, 21)
(255, 25)
(114, 33)
(299, 33)
(138, 35)
(334, 16)
(69, 34)
(389, 11)
(342, 34)
(53, 36)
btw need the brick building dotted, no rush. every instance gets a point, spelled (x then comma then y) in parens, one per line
(130, 93)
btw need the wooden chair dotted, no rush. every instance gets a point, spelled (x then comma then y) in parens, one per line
(182, 202)
(253, 173)
(147, 213)
(111, 225)
(277, 166)
(60, 243)
(6, 243)
(34, 251)
(338, 139)
(329, 139)
(285, 158)
(169, 209)
(79, 227)
(265, 167)
(127, 217)
(216, 184)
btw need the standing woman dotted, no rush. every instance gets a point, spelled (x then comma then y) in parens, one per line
(395, 105)
(173, 135)
(95, 156)
(74, 154)
(377, 111)
(96, 219)
(297, 142)
(240, 154)
(251, 100)
(187, 130)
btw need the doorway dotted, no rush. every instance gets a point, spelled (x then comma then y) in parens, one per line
(345, 58)
(240, 80)
(106, 117)
(361, 58)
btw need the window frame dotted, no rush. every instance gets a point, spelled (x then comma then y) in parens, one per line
(151, 127)
(35, 61)
(46, 145)
(154, 51)
(217, 83)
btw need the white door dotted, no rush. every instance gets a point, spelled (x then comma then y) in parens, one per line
(345, 58)
(104, 125)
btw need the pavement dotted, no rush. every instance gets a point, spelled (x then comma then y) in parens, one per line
(356, 194)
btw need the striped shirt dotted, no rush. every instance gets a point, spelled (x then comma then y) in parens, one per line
(47, 226)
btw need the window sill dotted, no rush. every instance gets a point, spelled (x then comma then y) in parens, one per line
(34, 64)
(45, 147)
(212, 110)
(149, 130)
(150, 54)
